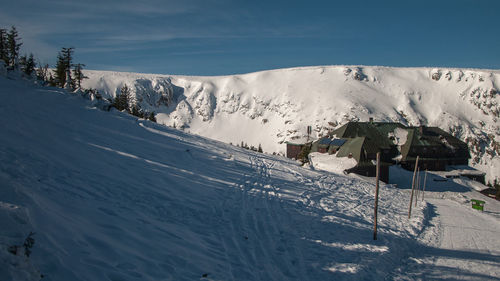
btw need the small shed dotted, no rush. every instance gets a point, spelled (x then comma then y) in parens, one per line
(293, 149)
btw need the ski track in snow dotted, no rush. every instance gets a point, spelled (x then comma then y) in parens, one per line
(111, 197)
(460, 244)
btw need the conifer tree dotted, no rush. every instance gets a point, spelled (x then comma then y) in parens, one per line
(137, 111)
(30, 65)
(304, 153)
(13, 47)
(63, 68)
(152, 117)
(4, 54)
(22, 61)
(70, 83)
(125, 96)
(121, 101)
(27, 64)
(60, 71)
(78, 74)
(68, 60)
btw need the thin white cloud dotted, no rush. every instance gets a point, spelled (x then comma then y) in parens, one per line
(96, 26)
(134, 7)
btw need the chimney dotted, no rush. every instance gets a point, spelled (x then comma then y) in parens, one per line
(371, 120)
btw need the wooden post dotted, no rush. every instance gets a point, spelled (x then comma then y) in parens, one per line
(376, 198)
(425, 182)
(412, 187)
(417, 192)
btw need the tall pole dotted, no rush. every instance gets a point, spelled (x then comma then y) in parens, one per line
(376, 198)
(417, 192)
(412, 187)
(425, 182)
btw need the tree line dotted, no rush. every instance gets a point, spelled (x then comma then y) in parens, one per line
(251, 147)
(66, 74)
(124, 101)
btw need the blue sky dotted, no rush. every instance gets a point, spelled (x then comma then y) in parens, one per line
(205, 37)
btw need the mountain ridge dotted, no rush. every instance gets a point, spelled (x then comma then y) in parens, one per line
(279, 104)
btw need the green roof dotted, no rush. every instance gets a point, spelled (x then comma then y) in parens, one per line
(364, 139)
(446, 145)
(405, 148)
(375, 132)
(352, 146)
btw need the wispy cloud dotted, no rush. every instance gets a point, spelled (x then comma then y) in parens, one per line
(128, 30)
(127, 7)
(114, 23)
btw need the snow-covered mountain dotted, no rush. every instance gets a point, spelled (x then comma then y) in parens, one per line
(272, 107)
(112, 197)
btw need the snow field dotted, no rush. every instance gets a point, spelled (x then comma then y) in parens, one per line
(113, 197)
(462, 244)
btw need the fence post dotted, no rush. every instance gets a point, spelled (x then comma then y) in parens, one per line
(376, 198)
(425, 182)
(412, 187)
(417, 192)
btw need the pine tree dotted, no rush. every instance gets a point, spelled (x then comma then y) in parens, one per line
(126, 98)
(70, 83)
(4, 54)
(60, 71)
(152, 117)
(68, 63)
(78, 74)
(260, 148)
(304, 153)
(30, 65)
(121, 101)
(63, 68)
(27, 64)
(13, 47)
(136, 111)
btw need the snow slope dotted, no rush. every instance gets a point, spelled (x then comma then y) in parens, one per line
(462, 245)
(272, 107)
(112, 197)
